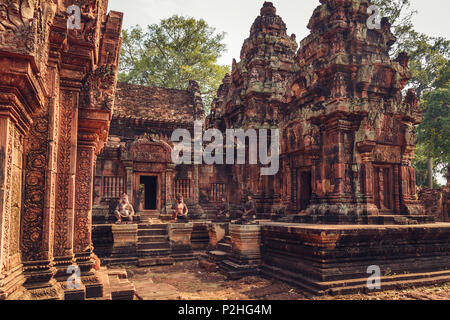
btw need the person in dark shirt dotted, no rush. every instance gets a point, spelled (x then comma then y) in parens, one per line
(224, 210)
(249, 214)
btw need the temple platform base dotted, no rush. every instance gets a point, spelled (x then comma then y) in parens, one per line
(336, 259)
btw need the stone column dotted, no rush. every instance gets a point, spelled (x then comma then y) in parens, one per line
(11, 143)
(366, 193)
(38, 211)
(83, 213)
(408, 197)
(130, 192)
(196, 183)
(65, 190)
(166, 212)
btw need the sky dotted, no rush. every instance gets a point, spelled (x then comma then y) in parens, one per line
(235, 17)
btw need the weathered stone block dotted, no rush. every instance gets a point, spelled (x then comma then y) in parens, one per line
(125, 235)
(180, 240)
(245, 257)
(335, 259)
(246, 243)
(217, 232)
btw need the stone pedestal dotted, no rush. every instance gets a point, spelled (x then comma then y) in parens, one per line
(246, 251)
(125, 242)
(217, 232)
(334, 259)
(180, 241)
(200, 236)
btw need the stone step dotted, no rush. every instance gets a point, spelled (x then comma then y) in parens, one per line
(151, 232)
(187, 256)
(354, 285)
(143, 253)
(153, 245)
(119, 261)
(228, 239)
(217, 255)
(149, 239)
(155, 261)
(225, 247)
(146, 226)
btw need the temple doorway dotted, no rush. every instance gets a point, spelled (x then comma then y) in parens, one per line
(149, 185)
(383, 188)
(304, 189)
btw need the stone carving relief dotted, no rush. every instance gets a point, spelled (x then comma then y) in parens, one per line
(83, 188)
(98, 89)
(6, 217)
(146, 149)
(36, 151)
(64, 169)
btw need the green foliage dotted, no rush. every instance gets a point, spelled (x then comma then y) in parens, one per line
(171, 53)
(400, 16)
(428, 55)
(420, 164)
(434, 132)
(430, 70)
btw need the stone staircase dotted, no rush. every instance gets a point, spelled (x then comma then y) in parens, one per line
(153, 247)
(210, 210)
(225, 245)
(147, 216)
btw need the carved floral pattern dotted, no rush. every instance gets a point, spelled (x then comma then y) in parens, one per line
(85, 158)
(36, 151)
(63, 180)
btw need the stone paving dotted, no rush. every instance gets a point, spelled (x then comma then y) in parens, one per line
(187, 281)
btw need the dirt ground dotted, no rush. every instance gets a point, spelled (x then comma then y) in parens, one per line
(187, 281)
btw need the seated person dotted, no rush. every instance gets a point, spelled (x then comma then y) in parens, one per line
(180, 213)
(224, 210)
(124, 210)
(249, 214)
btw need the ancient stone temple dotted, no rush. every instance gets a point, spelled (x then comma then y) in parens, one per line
(137, 158)
(347, 134)
(347, 141)
(57, 89)
(73, 142)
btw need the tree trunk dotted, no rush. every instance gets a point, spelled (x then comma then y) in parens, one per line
(430, 173)
(448, 176)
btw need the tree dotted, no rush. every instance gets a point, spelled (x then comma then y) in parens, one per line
(171, 53)
(400, 16)
(429, 63)
(428, 55)
(434, 132)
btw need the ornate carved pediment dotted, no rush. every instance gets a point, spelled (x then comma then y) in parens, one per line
(146, 149)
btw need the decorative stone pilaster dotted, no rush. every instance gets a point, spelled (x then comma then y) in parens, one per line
(65, 190)
(11, 277)
(166, 213)
(365, 196)
(180, 240)
(245, 257)
(38, 211)
(83, 214)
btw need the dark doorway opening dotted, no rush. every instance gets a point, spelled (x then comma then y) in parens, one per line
(150, 192)
(383, 188)
(304, 189)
